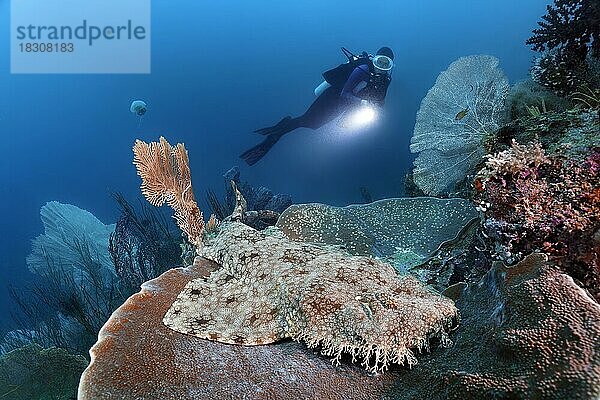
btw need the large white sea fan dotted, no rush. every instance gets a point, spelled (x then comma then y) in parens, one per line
(464, 108)
(72, 238)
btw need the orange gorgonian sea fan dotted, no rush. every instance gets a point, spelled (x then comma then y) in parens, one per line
(166, 178)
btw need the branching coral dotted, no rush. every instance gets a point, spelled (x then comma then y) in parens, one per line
(535, 202)
(166, 178)
(459, 116)
(573, 25)
(559, 73)
(519, 159)
(567, 33)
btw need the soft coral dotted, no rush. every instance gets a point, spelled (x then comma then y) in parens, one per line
(552, 206)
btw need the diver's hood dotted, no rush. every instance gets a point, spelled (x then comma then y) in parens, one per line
(383, 64)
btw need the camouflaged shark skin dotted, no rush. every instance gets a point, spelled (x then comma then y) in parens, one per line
(270, 288)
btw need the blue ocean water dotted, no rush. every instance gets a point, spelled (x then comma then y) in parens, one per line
(219, 71)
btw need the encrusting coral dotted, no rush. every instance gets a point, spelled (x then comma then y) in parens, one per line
(138, 357)
(401, 231)
(545, 345)
(527, 332)
(270, 288)
(32, 372)
(166, 178)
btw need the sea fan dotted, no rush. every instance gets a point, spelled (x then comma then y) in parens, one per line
(165, 174)
(464, 109)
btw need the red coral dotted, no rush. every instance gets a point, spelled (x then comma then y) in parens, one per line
(552, 207)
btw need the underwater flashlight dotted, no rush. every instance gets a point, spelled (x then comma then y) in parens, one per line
(363, 116)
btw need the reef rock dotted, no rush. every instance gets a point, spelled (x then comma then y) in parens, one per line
(402, 231)
(458, 260)
(262, 205)
(138, 357)
(527, 332)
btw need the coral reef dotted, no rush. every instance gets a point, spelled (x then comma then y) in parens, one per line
(263, 206)
(569, 34)
(459, 116)
(544, 203)
(527, 332)
(573, 25)
(528, 98)
(138, 357)
(166, 178)
(270, 288)
(386, 228)
(32, 372)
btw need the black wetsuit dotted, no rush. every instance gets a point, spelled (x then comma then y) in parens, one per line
(330, 104)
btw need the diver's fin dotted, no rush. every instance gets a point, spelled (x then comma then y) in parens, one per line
(254, 155)
(275, 128)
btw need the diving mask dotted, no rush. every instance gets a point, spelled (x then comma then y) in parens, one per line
(383, 63)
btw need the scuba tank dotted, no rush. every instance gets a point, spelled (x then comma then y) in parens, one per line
(338, 76)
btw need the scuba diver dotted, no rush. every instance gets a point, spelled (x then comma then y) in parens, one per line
(361, 82)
